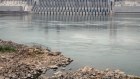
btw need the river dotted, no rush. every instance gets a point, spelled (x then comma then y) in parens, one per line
(97, 41)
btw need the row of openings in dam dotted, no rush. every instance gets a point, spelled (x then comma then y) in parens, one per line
(67, 7)
(71, 7)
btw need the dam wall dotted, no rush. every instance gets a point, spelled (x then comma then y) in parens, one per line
(15, 6)
(11, 8)
(127, 9)
(67, 7)
(127, 6)
(72, 7)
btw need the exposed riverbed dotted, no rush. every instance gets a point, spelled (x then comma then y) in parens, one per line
(101, 42)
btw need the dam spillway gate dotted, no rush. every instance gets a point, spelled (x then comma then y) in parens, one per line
(66, 7)
(71, 7)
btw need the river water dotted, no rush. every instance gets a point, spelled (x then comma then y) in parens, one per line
(97, 41)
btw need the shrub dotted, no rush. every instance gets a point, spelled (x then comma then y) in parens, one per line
(5, 48)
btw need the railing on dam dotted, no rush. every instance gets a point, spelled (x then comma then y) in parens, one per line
(71, 7)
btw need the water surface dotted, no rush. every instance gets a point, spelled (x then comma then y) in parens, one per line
(98, 41)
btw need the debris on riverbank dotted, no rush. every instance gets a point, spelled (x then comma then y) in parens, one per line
(18, 61)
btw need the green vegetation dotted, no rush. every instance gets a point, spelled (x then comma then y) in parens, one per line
(6, 48)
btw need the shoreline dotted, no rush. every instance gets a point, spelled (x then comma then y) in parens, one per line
(33, 62)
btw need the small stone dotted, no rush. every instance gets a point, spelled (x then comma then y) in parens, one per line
(107, 70)
(117, 71)
(46, 51)
(31, 50)
(1, 68)
(94, 74)
(44, 70)
(63, 69)
(50, 54)
(53, 67)
(70, 68)
(5, 78)
(122, 73)
(56, 53)
(59, 72)
(86, 69)
(29, 75)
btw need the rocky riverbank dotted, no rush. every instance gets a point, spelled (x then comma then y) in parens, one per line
(92, 73)
(18, 61)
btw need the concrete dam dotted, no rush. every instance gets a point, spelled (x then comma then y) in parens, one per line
(127, 6)
(15, 6)
(67, 7)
